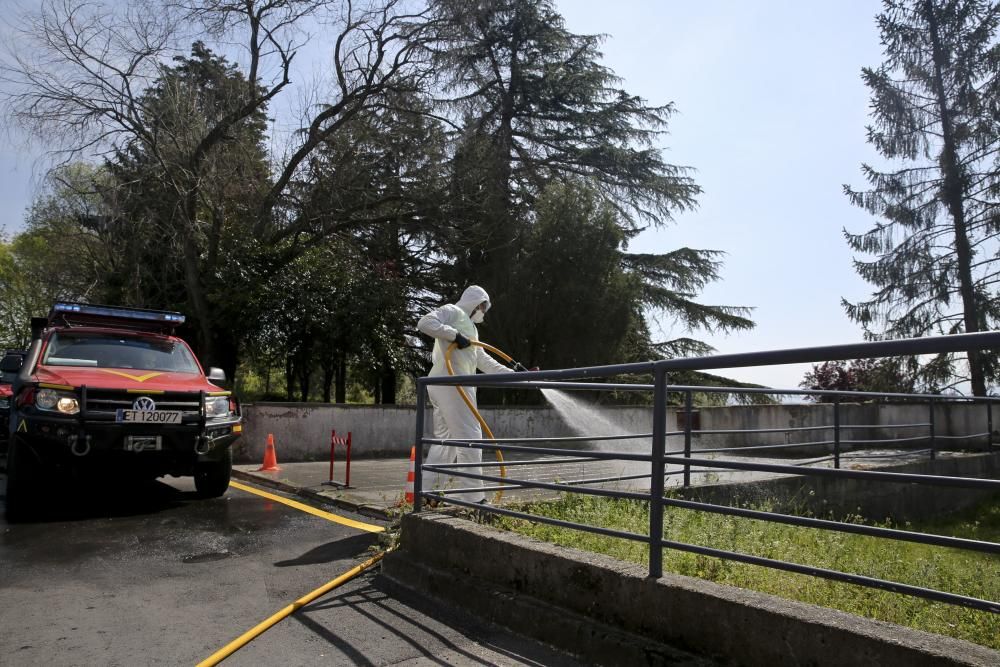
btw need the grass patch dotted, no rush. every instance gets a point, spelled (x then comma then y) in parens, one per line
(952, 570)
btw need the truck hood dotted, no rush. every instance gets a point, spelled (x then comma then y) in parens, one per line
(123, 378)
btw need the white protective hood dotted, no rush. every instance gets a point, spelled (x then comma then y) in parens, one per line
(472, 297)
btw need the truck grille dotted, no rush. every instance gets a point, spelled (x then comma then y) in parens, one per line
(103, 404)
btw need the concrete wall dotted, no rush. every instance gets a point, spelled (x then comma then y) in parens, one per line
(302, 430)
(887, 422)
(609, 612)
(874, 500)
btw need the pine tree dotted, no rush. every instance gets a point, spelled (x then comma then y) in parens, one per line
(936, 116)
(534, 109)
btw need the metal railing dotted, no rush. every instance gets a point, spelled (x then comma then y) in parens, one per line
(554, 451)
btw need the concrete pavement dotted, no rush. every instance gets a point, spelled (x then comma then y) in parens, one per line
(377, 485)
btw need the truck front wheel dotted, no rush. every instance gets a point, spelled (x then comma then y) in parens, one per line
(211, 478)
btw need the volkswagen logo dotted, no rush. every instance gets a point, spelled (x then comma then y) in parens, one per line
(144, 404)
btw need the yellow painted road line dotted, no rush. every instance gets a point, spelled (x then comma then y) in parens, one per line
(264, 625)
(371, 528)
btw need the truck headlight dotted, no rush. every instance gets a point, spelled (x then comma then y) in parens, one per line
(49, 399)
(217, 406)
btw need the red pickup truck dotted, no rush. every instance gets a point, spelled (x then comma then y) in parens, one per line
(114, 391)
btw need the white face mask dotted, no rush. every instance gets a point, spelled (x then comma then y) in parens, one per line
(477, 317)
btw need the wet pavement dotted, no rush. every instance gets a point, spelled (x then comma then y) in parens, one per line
(149, 574)
(377, 485)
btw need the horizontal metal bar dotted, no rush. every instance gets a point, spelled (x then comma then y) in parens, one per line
(883, 441)
(845, 427)
(817, 460)
(584, 386)
(501, 464)
(861, 580)
(569, 438)
(898, 477)
(608, 493)
(842, 527)
(593, 453)
(790, 445)
(493, 509)
(519, 484)
(728, 431)
(896, 455)
(961, 437)
(539, 462)
(869, 350)
(677, 389)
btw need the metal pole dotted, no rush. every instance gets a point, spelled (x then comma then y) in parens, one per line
(418, 442)
(333, 451)
(657, 471)
(687, 436)
(931, 420)
(989, 424)
(347, 470)
(836, 432)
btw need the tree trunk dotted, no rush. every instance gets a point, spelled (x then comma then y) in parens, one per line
(193, 283)
(305, 374)
(289, 378)
(388, 379)
(341, 378)
(952, 193)
(328, 376)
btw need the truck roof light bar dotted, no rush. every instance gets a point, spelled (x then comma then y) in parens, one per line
(82, 314)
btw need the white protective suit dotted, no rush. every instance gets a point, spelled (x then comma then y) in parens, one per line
(452, 418)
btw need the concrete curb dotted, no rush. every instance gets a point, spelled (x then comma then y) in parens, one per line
(372, 511)
(525, 585)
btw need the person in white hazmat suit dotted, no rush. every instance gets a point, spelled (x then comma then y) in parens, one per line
(452, 418)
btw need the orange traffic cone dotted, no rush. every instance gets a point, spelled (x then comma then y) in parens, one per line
(410, 476)
(270, 460)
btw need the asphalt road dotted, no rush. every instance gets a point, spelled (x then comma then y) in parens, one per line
(151, 575)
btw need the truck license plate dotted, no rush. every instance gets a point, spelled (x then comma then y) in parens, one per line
(149, 416)
(143, 443)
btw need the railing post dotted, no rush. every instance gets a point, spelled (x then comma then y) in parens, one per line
(932, 434)
(836, 432)
(418, 442)
(657, 472)
(687, 436)
(989, 424)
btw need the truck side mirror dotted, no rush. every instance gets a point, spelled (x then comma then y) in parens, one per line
(11, 363)
(216, 374)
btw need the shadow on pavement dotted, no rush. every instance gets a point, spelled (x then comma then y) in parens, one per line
(338, 550)
(79, 500)
(415, 624)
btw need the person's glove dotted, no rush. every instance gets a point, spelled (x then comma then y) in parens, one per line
(519, 368)
(462, 341)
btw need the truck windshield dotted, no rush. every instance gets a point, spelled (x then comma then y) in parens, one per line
(101, 350)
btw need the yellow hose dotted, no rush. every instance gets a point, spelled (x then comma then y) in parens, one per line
(482, 422)
(266, 624)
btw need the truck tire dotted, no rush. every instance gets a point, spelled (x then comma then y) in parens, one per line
(211, 478)
(22, 474)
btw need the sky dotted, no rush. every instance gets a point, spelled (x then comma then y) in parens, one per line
(771, 113)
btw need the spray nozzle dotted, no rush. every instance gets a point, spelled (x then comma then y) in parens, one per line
(519, 367)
